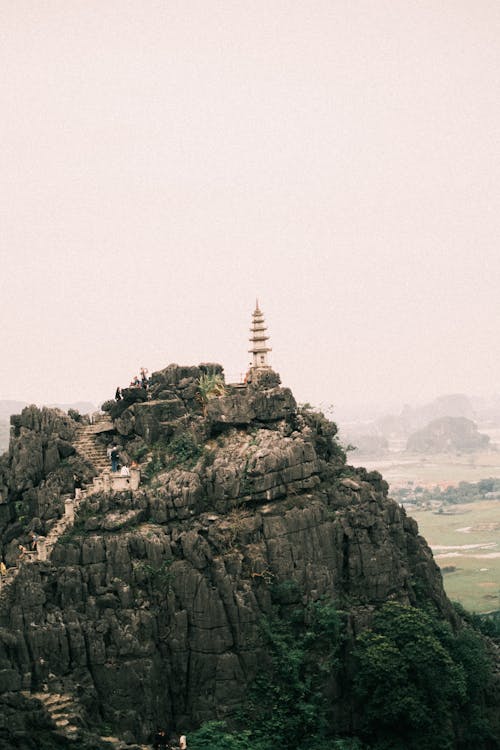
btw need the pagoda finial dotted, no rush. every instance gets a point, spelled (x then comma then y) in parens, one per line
(258, 339)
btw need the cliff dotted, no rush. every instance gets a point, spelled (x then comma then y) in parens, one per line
(150, 608)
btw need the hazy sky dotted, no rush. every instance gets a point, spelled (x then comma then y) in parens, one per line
(164, 163)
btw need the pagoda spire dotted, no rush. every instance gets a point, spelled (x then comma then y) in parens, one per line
(258, 339)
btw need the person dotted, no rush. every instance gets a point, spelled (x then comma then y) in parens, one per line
(144, 377)
(183, 742)
(160, 740)
(124, 471)
(114, 458)
(3, 573)
(78, 487)
(118, 393)
(22, 552)
(34, 540)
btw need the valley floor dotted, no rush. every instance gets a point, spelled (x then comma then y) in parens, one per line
(465, 539)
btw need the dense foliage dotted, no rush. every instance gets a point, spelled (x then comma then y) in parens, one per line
(418, 684)
(413, 683)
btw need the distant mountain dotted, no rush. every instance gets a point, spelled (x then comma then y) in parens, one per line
(414, 418)
(368, 434)
(448, 435)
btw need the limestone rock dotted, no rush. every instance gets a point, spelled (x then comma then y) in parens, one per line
(150, 608)
(251, 405)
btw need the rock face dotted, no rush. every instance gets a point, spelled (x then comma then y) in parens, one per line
(448, 434)
(150, 608)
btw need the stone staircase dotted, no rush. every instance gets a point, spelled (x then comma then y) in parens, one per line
(63, 708)
(68, 717)
(64, 711)
(89, 448)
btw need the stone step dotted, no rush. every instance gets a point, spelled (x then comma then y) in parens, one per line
(51, 698)
(62, 713)
(58, 704)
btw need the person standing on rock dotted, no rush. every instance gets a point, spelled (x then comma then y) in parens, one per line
(118, 393)
(78, 486)
(114, 458)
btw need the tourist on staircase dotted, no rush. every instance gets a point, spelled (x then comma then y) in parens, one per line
(114, 458)
(78, 486)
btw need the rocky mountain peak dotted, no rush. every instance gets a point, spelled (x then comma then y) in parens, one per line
(149, 608)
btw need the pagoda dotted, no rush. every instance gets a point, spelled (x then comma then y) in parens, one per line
(258, 340)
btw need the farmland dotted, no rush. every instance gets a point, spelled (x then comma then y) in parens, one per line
(466, 544)
(465, 538)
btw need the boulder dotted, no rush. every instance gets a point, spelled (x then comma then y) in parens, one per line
(251, 404)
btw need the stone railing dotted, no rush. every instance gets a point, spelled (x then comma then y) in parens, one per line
(110, 481)
(105, 482)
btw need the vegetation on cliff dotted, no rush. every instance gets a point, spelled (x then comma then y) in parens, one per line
(414, 683)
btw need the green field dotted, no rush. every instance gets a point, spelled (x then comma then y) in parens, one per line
(401, 468)
(475, 580)
(468, 540)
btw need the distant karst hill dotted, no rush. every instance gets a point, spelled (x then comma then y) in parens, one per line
(415, 418)
(448, 435)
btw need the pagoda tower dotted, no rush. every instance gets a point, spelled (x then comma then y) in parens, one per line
(258, 340)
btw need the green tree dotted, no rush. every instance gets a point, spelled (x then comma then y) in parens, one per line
(216, 736)
(210, 385)
(287, 702)
(414, 679)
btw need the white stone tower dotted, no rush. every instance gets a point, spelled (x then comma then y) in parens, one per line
(258, 340)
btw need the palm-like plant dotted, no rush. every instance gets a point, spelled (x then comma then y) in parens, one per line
(210, 385)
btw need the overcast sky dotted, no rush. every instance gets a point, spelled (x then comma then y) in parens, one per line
(164, 163)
